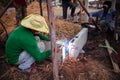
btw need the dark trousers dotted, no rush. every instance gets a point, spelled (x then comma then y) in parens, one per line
(20, 12)
(65, 6)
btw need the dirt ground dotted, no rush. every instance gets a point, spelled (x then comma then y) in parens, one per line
(94, 64)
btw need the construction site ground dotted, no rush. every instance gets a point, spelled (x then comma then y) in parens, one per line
(94, 64)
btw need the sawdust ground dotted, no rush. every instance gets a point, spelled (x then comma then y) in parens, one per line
(94, 64)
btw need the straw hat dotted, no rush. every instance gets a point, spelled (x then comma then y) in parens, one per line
(35, 22)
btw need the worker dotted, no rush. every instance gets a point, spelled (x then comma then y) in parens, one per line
(20, 7)
(23, 47)
(65, 5)
(106, 18)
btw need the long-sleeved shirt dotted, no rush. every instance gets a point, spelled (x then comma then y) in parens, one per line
(23, 39)
(108, 17)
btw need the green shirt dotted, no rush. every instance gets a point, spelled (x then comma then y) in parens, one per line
(22, 39)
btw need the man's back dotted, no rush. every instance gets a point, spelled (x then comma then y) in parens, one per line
(15, 43)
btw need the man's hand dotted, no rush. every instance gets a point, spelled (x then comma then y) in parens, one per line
(90, 20)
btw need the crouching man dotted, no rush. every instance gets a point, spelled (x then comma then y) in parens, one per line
(22, 47)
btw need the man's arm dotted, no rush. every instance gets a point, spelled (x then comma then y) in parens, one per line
(43, 37)
(30, 45)
(95, 14)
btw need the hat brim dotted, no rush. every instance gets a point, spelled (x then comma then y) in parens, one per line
(35, 22)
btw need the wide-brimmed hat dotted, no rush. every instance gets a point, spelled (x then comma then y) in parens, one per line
(35, 22)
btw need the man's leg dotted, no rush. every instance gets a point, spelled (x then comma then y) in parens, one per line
(107, 30)
(25, 60)
(24, 12)
(65, 7)
(18, 14)
(103, 25)
(40, 43)
(73, 11)
(73, 7)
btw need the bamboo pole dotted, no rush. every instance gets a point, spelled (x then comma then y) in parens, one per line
(53, 39)
(115, 66)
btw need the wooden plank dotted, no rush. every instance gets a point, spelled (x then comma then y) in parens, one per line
(115, 65)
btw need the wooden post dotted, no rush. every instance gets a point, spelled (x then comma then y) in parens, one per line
(4, 10)
(117, 21)
(53, 39)
(40, 4)
(116, 26)
(1, 14)
(1, 22)
(81, 13)
(115, 66)
(86, 6)
(113, 4)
